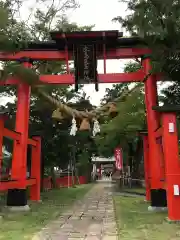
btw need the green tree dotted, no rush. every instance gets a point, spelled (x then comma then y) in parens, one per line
(171, 94)
(117, 89)
(114, 92)
(123, 130)
(158, 24)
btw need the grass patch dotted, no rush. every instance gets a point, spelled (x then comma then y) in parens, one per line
(18, 226)
(136, 223)
(135, 190)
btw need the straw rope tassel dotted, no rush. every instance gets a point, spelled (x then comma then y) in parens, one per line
(96, 127)
(73, 127)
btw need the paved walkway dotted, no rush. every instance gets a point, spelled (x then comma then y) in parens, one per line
(91, 218)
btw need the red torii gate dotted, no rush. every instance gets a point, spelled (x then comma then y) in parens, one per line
(162, 169)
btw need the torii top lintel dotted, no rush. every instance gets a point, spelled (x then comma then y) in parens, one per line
(63, 47)
(117, 46)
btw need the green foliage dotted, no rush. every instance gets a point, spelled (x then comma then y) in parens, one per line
(64, 25)
(123, 128)
(52, 17)
(158, 23)
(117, 89)
(24, 74)
(171, 94)
(132, 67)
(13, 33)
(114, 92)
(83, 163)
(4, 17)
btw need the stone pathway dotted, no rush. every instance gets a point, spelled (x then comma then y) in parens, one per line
(91, 218)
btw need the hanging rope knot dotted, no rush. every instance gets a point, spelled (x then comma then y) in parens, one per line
(85, 125)
(96, 127)
(113, 112)
(73, 127)
(57, 115)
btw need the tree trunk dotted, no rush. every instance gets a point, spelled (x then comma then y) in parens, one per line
(130, 157)
(88, 172)
(53, 178)
(42, 172)
(137, 159)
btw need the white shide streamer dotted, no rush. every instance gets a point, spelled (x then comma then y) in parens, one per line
(73, 127)
(96, 128)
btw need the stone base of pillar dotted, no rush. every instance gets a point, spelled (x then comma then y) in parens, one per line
(17, 198)
(172, 221)
(158, 198)
(157, 209)
(25, 208)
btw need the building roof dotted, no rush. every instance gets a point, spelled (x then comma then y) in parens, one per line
(102, 159)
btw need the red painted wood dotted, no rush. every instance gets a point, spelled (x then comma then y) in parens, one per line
(82, 180)
(63, 181)
(1, 143)
(36, 170)
(32, 142)
(146, 166)
(121, 53)
(172, 164)
(47, 183)
(158, 133)
(30, 182)
(69, 78)
(19, 163)
(103, 78)
(153, 122)
(10, 81)
(16, 184)
(11, 134)
(89, 34)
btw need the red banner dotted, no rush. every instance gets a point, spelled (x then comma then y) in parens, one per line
(118, 154)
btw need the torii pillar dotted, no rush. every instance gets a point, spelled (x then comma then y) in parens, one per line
(172, 161)
(156, 177)
(18, 197)
(144, 136)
